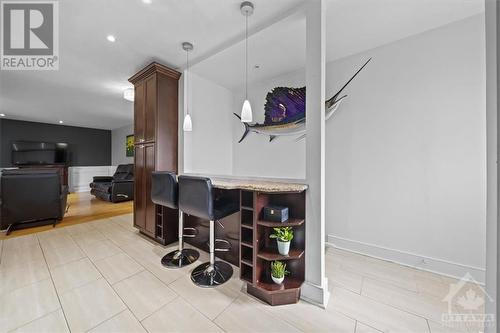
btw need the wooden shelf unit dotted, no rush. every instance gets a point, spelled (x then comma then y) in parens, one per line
(166, 234)
(256, 244)
(247, 222)
(271, 255)
(292, 222)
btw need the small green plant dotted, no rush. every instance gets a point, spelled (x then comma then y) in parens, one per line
(278, 269)
(283, 234)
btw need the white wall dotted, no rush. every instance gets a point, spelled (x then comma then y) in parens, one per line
(208, 148)
(118, 137)
(405, 153)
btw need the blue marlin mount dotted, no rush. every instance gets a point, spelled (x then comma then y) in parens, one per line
(285, 112)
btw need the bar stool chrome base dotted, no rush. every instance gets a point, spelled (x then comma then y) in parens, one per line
(207, 276)
(179, 259)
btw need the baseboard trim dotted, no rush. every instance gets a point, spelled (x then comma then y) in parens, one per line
(425, 263)
(314, 294)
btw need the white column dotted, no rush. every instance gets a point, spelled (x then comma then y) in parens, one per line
(492, 33)
(315, 288)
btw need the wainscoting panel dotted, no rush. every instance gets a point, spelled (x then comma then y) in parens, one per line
(79, 178)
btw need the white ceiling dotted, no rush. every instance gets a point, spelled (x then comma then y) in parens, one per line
(352, 26)
(87, 89)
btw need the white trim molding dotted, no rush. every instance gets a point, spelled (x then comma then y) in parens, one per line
(311, 293)
(425, 263)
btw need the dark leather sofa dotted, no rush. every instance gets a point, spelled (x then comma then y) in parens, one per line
(118, 188)
(30, 197)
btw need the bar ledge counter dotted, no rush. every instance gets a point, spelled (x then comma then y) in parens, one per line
(251, 249)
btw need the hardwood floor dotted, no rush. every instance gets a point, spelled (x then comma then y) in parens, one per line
(83, 207)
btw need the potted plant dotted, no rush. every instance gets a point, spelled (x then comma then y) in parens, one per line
(284, 236)
(278, 271)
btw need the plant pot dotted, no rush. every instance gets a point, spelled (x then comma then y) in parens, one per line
(278, 280)
(283, 247)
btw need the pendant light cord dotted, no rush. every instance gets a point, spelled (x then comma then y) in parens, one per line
(246, 56)
(187, 82)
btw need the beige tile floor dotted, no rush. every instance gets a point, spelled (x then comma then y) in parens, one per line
(103, 276)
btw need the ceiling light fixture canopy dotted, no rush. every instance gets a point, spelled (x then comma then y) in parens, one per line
(187, 126)
(247, 9)
(129, 94)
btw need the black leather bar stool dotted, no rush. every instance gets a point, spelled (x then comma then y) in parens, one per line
(164, 192)
(196, 198)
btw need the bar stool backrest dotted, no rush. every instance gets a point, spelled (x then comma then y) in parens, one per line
(195, 196)
(164, 189)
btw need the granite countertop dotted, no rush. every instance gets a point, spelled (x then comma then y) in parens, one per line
(257, 185)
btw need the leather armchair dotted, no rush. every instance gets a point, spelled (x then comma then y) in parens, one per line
(31, 197)
(118, 188)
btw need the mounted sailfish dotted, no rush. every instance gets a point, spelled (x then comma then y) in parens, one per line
(285, 111)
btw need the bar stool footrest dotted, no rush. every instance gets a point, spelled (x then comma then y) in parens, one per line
(192, 235)
(222, 249)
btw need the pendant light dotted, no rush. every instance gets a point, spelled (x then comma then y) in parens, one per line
(246, 111)
(188, 123)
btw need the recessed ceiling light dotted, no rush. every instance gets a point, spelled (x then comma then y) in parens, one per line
(61, 122)
(147, 1)
(111, 38)
(2, 114)
(256, 66)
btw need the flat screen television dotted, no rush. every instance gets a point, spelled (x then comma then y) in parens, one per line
(39, 153)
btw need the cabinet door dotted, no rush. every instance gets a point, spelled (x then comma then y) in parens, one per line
(139, 188)
(139, 112)
(149, 205)
(151, 105)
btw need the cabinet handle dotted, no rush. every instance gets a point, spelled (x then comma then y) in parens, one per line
(141, 146)
(141, 140)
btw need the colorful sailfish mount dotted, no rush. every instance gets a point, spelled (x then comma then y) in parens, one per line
(285, 111)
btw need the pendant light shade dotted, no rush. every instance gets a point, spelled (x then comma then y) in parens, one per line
(246, 112)
(188, 124)
(246, 8)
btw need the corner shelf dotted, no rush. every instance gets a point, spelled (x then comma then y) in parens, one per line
(257, 252)
(288, 284)
(292, 222)
(272, 254)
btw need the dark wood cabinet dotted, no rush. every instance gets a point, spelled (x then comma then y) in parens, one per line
(139, 112)
(139, 188)
(151, 109)
(156, 132)
(149, 162)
